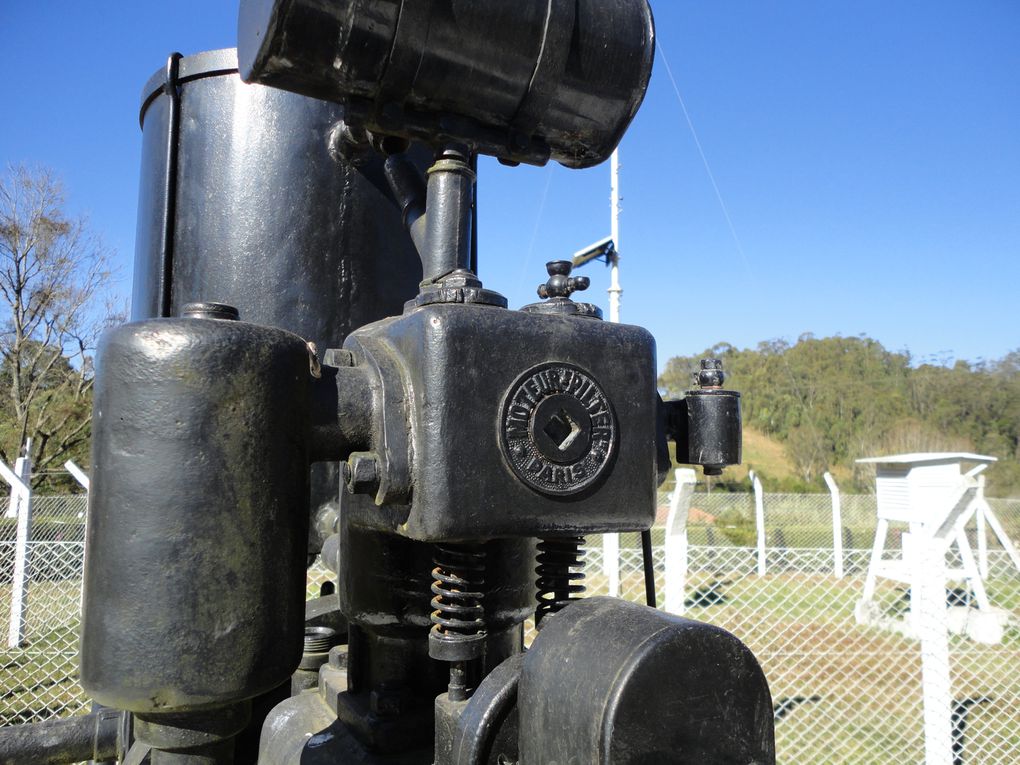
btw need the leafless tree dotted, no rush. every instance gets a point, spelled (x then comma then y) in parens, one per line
(54, 272)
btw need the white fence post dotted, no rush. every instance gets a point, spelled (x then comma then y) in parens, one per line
(82, 478)
(13, 502)
(21, 500)
(611, 562)
(77, 474)
(676, 540)
(759, 519)
(837, 526)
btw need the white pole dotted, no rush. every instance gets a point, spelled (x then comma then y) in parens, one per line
(929, 594)
(759, 520)
(21, 498)
(837, 526)
(982, 542)
(77, 473)
(8, 474)
(611, 542)
(614, 265)
(676, 540)
(1001, 534)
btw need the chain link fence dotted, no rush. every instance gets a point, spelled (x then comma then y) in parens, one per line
(38, 677)
(842, 692)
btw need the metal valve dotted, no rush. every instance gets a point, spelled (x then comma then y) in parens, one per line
(561, 284)
(706, 423)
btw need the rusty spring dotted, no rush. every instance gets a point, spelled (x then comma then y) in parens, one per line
(560, 574)
(458, 588)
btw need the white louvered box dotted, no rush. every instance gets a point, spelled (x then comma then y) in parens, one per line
(918, 488)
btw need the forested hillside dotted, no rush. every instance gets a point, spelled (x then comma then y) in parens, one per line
(832, 400)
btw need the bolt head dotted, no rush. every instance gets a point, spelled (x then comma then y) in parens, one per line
(362, 473)
(338, 657)
(711, 374)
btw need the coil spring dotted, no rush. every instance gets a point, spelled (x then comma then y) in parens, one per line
(558, 585)
(458, 589)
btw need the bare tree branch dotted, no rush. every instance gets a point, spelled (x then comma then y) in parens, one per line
(54, 272)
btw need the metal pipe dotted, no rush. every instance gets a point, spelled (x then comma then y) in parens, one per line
(409, 190)
(57, 742)
(448, 216)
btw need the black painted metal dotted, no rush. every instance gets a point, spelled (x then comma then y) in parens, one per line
(192, 738)
(198, 518)
(57, 742)
(458, 612)
(465, 428)
(706, 424)
(519, 79)
(648, 562)
(171, 89)
(486, 729)
(269, 218)
(250, 203)
(556, 292)
(408, 189)
(457, 406)
(560, 575)
(607, 681)
(384, 592)
(448, 223)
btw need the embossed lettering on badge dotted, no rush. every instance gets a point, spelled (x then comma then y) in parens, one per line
(558, 429)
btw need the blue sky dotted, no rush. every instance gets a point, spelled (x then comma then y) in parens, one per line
(867, 156)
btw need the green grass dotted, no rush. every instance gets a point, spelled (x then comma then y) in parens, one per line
(39, 680)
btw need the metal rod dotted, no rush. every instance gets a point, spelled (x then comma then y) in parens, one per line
(166, 257)
(448, 214)
(649, 564)
(473, 263)
(457, 689)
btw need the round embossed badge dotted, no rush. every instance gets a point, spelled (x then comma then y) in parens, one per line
(558, 429)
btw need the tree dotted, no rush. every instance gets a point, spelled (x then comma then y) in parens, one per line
(54, 271)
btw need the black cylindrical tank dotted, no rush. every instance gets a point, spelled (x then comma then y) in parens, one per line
(267, 216)
(195, 571)
(520, 79)
(264, 214)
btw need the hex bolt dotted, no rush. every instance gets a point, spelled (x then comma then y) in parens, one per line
(711, 374)
(361, 473)
(338, 657)
(338, 357)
